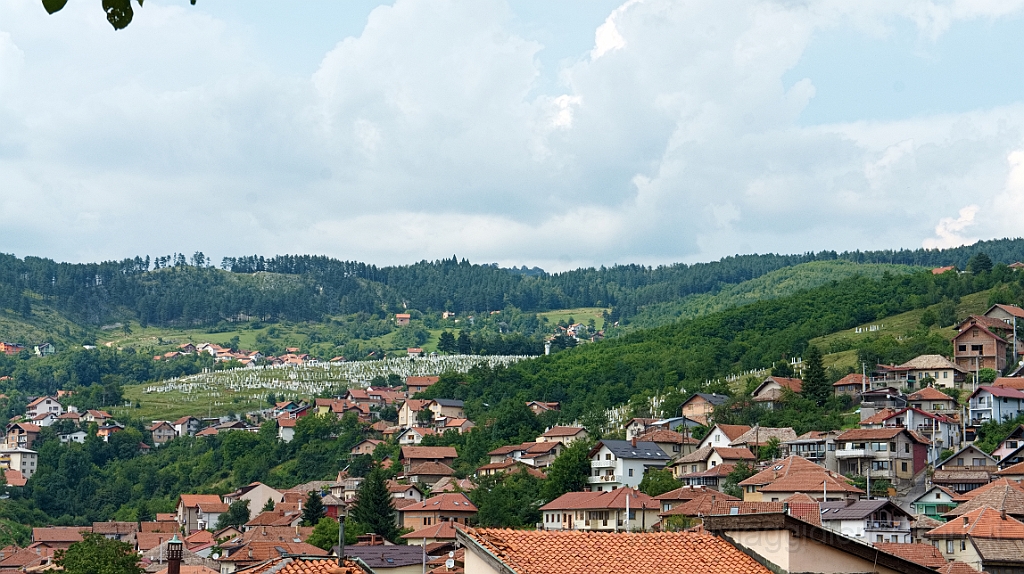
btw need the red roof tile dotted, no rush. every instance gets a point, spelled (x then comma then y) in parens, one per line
(576, 552)
(981, 523)
(447, 502)
(923, 554)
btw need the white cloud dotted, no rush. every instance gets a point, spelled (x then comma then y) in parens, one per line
(673, 137)
(948, 231)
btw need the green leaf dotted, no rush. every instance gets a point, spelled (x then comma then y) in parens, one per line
(52, 6)
(119, 13)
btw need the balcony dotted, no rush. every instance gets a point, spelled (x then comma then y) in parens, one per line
(885, 525)
(602, 464)
(853, 453)
(604, 478)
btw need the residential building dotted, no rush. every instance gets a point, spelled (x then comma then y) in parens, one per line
(187, 426)
(894, 454)
(770, 392)
(508, 466)
(758, 437)
(366, 446)
(22, 435)
(257, 494)
(447, 507)
(429, 536)
(500, 551)
(872, 521)
(446, 408)
(410, 408)
(712, 477)
(965, 470)
(931, 400)
(540, 407)
(708, 457)
(985, 539)
(991, 403)
(96, 416)
(76, 436)
(700, 406)
(413, 435)
(624, 509)
(722, 435)
(59, 537)
(285, 428)
(402, 319)
(816, 446)
(795, 476)
(852, 385)
(419, 384)
(672, 442)
(941, 431)
(618, 463)
(418, 454)
(674, 498)
(564, 435)
(977, 346)
(935, 502)
(638, 426)
(934, 369)
(20, 459)
(537, 454)
(1003, 495)
(162, 432)
(404, 491)
(199, 511)
(43, 405)
(458, 425)
(786, 543)
(428, 473)
(44, 349)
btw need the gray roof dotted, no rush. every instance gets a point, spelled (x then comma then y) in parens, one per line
(713, 398)
(448, 402)
(389, 556)
(625, 449)
(839, 510)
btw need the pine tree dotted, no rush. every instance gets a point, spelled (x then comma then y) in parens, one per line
(314, 510)
(446, 343)
(374, 509)
(464, 344)
(268, 505)
(815, 384)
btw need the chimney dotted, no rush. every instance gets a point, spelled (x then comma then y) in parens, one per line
(634, 442)
(1002, 514)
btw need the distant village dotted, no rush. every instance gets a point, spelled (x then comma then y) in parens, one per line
(949, 506)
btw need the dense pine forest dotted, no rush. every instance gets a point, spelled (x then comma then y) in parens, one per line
(180, 290)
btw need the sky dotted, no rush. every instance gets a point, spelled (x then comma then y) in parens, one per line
(556, 134)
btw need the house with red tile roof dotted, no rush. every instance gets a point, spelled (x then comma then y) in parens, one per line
(932, 400)
(992, 403)
(22, 435)
(440, 532)
(708, 457)
(299, 564)
(199, 511)
(419, 384)
(562, 434)
(923, 554)
(934, 502)
(59, 536)
(773, 389)
(540, 407)
(454, 507)
(623, 509)
(874, 520)
(713, 478)
(984, 539)
(700, 505)
(500, 551)
(410, 408)
(935, 370)
(851, 385)
(672, 442)
(43, 405)
(722, 435)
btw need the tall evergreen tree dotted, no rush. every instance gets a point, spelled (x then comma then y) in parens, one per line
(446, 343)
(464, 344)
(374, 509)
(314, 510)
(815, 383)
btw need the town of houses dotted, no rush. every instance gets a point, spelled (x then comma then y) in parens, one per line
(950, 506)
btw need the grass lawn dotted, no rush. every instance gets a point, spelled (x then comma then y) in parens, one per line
(579, 314)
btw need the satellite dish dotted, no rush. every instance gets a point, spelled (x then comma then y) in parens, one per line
(215, 556)
(449, 563)
(451, 554)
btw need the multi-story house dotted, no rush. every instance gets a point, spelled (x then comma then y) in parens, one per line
(618, 463)
(943, 432)
(966, 470)
(410, 408)
(932, 400)
(624, 509)
(867, 520)
(446, 409)
(162, 432)
(936, 368)
(818, 447)
(20, 459)
(894, 454)
(564, 435)
(991, 403)
(722, 435)
(44, 405)
(700, 406)
(770, 392)
(1013, 442)
(706, 458)
(22, 434)
(978, 345)
(935, 502)
(447, 507)
(199, 511)
(187, 426)
(986, 539)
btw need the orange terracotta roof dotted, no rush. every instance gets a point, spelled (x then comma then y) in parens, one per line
(304, 565)
(431, 469)
(879, 417)
(576, 552)
(870, 434)
(1010, 383)
(811, 482)
(684, 493)
(923, 554)
(998, 483)
(1014, 470)
(781, 468)
(929, 394)
(957, 567)
(701, 505)
(733, 431)
(851, 379)
(563, 431)
(1002, 497)
(193, 500)
(428, 452)
(59, 533)
(729, 453)
(149, 540)
(984, 522)
(440, 531)
(15, 478)
(447, 502)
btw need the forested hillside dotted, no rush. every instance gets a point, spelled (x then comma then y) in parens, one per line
(175, 290)
(592, 378)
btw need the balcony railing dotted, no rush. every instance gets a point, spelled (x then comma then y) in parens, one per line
(602, 464)
(603, 478)
(852, 453)
(885, 525)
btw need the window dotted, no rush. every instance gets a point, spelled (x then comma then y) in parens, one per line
(713, 463)
(976, 348)
(892, 447)
(693, 468)
(906, 447)
(978, 461)
(1011, 444)
(676, 448)
(949, 547)
(631, 472)
(608, 456)
(963, 544)
(832, 447)
(880, 538)
(961, 347)
(938, 495)
(959, 462)
(945, 374)
(904, 466)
